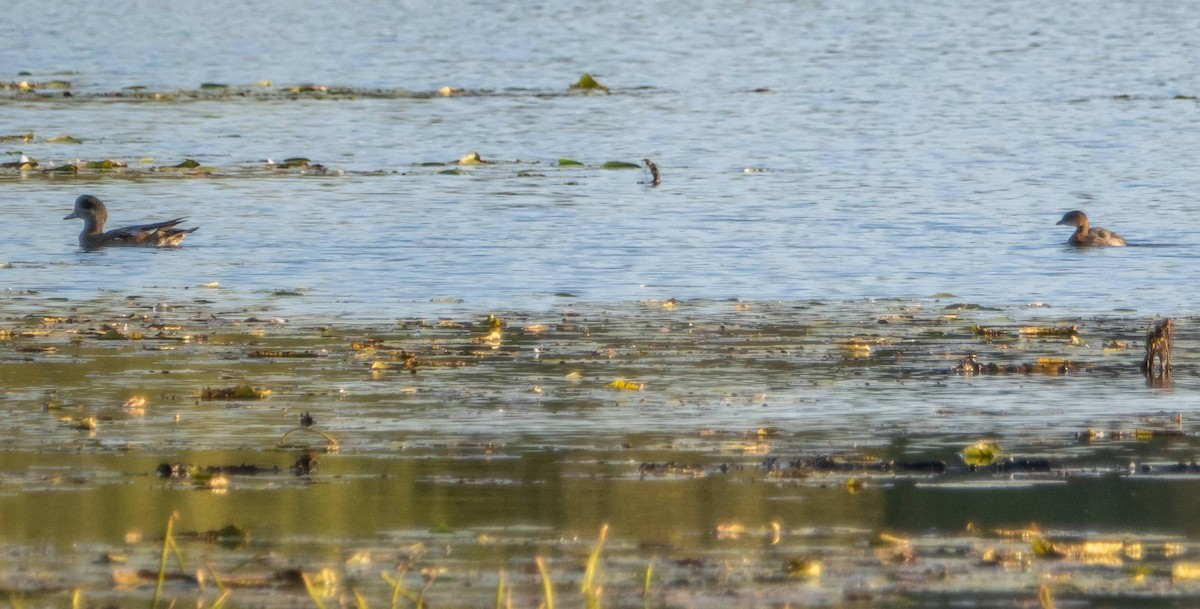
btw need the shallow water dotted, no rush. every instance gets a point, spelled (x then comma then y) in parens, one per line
(835, 177)
(725, 442)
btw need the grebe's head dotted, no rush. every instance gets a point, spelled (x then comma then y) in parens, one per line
(1073, 218)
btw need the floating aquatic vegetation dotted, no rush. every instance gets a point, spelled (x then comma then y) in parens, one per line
(624, 385)
(982, 453)
(569, 163)
(970, 365)
(20, 137)
(262, 354)
(288, 163)
(473, 158)
(237, 392)
(806, 567)
(27, 86)
(1049, 332)
(588, 83)
(620, 165)
(118, 333)
(105, 164)
(991, 332)
(24, 164)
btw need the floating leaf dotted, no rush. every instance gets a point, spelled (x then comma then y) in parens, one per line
(450, 172)
(807, 568)
(981, 453)
(64, 139)
(105, 164)
(1185, 571)
(568, 162)
(472, 158)
(625, 385)
(231, 536)
(290, 162)
(620, 165)
(25, 164)
(213, 85)
(84, 423)
(119, 334)
(187, 164)
(589, 83)
(1044, 548)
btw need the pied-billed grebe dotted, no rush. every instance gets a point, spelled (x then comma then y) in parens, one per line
(94, 215)
(1086, 236)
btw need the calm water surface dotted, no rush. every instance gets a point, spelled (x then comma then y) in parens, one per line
(810, 151)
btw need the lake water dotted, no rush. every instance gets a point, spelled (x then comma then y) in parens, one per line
(905, 151)
(904, 157)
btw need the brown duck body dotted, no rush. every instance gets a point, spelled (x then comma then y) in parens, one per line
(94, 215)
(1085, 235)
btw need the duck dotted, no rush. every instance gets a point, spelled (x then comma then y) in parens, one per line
(1085, 235)
(94, 214)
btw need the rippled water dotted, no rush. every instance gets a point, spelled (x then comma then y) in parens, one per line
(810, 151)
(907, 152)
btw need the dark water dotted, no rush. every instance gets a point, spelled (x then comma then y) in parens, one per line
(835, 176)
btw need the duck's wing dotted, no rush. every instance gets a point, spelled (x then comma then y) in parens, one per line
(147, 234)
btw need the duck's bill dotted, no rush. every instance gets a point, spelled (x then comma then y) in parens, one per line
(72, 216)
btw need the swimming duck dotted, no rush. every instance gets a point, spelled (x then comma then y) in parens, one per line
(94, 215)
(1085, 236)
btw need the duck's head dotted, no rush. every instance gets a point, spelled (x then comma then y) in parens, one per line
(90, 209)
(1073, 218)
